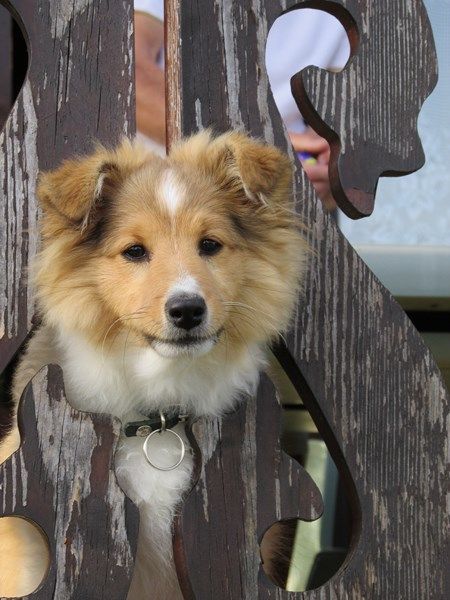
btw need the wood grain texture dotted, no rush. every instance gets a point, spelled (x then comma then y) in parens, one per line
(173, 72)
(79, 88)
(62, 478)
(372, 134)
(225, 525)
(364, 371)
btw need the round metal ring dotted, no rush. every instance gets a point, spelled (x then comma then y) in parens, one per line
(182, 450)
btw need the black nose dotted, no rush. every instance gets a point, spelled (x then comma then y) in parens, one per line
(186, 312)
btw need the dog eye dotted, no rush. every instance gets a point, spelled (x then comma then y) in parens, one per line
(209, 247)
(135, 252)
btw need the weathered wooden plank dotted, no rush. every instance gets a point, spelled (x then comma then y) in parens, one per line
(79, 89)
(173, 72)
(62, 478)
(359, 364)
(392, 49)
(232, 446)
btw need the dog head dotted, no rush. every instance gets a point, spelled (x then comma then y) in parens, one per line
(184, 254)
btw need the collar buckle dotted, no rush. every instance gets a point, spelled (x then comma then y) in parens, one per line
(154, 422)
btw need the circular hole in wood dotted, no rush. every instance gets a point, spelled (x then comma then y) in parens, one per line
(24, 557)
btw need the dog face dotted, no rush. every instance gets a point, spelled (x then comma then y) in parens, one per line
(197, 251)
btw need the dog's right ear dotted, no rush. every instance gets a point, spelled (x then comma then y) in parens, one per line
(74, 194)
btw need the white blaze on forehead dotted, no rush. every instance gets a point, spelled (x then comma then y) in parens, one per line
(184, 285)
(171, 191)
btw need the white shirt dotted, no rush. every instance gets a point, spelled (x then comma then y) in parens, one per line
(152, 7)
(297, 39)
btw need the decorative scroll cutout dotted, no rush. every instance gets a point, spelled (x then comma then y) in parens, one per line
(62, 478)
(372, 130)
(311, 553)
(231, 518)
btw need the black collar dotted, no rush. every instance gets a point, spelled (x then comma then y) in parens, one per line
(153, 422)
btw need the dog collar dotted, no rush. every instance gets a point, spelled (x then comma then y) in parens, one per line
(153, 422)
(161, 426)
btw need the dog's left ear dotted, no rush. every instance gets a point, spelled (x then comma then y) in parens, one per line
(239, 164)
(74, 194)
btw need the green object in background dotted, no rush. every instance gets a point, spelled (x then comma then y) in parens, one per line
(313, 558)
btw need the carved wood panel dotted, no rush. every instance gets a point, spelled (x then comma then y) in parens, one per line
(62, 478)
(364, 371)
(371, 133)
(358, 363)
(233, 447)
(79, 88)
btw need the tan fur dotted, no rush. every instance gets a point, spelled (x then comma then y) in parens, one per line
(229, 174)
(238, 193)
(21, 545)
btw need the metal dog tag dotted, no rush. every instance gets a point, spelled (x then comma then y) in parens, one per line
(163, 432)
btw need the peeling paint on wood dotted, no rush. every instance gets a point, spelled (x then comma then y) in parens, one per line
(18, 218)
(237, 498)
(79, 88)
(363, 370)
(63, 479)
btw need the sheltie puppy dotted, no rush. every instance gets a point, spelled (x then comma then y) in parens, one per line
(160, 283)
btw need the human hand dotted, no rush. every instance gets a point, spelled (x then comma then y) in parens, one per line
(311, 142)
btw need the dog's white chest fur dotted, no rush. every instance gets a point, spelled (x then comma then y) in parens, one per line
(157, 494)
(130, 386)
